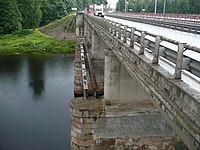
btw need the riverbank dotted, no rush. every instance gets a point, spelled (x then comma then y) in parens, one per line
(49, 39)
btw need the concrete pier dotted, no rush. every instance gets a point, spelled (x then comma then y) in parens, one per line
(119, 85)
(102, 125)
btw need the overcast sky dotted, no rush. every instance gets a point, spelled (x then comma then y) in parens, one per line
(112, 3)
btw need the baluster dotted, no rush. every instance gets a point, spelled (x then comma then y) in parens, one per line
(132, 38)
(179, 59)
(115, 29)
(111, 27)
(125, 34)
(141, 51)
(156, 50)
(119, 31)
(104, 23)
(107, 25)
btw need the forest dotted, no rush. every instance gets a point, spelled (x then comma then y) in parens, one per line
(30, 14)
(171, 6)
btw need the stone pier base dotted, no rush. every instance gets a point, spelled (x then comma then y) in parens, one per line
(102, 125)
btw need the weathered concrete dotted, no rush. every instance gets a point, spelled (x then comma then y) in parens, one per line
(98, 47)
(178, 102)
(80, 25)
(100, 125)
(119, 85)
(129, 76)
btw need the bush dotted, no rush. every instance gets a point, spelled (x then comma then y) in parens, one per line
(23, 32)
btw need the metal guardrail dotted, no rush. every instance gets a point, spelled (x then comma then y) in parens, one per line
(183, 17)
(171, 24)
(134, 36)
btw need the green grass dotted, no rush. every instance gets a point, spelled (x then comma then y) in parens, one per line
(35, 42)
(67, 19)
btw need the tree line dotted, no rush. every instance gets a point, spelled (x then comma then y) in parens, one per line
(171, 6)
(29, 14)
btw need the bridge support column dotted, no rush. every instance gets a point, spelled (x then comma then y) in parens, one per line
(98, 46)
(118, 84)
(79, 25)
(88, 35)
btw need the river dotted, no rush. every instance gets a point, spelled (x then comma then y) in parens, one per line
(34, 95)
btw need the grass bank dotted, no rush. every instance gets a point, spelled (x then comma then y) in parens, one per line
(68, 22)
(34, 41)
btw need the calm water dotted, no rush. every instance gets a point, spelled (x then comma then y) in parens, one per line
(34, 96)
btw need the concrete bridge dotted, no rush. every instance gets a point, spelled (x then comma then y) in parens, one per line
(143, 101)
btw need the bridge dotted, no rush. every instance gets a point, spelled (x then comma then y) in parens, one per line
(146, 96)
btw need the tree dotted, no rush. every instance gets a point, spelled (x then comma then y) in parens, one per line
(120, 5)
(10, 18)
(194, 6)
(53, 9)
(31, 13)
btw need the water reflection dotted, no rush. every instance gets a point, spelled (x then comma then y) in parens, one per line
(36, 74)
(10, 68)
(34, 112)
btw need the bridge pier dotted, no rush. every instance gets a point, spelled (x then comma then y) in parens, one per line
(98, 47)
(118, 84)
(79, 25)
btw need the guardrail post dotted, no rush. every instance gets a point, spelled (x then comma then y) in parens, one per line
(179, 60)
(125, 34)
(119, 31)
(156, 50)
(141, 51)
(132, 38)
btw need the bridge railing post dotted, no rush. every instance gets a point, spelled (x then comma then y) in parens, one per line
(115, 29)
(156, 50)
(141, 51)
(107, 25)
(109, 29)
(104, 23)
(125, 34)
(179, 60)
(132, 40)
(111, 26)
(119, 31)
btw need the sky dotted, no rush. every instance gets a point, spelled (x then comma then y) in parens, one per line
(112, 3)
